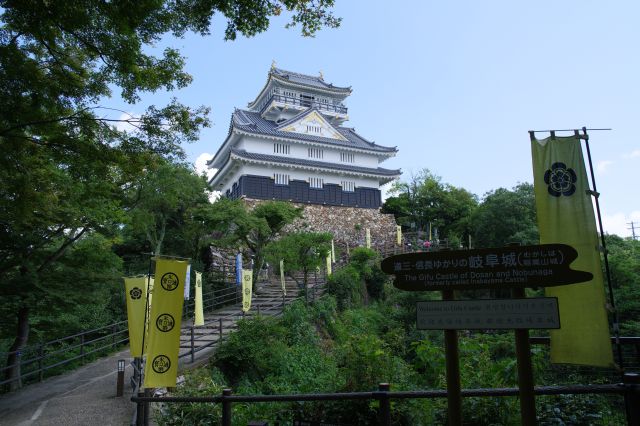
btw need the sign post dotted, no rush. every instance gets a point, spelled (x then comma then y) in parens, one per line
(452, 360)
(513, 267)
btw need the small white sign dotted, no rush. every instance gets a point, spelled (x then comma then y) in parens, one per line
(482, 314)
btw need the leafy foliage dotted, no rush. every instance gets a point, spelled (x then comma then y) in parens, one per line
(66, 171)
(506, 216)
(359, 281)
(425, 202)
(301, 252)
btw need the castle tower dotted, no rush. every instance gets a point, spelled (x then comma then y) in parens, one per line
(290, 144)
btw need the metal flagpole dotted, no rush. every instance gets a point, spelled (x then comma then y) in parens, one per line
(596, 196)
(146, 314)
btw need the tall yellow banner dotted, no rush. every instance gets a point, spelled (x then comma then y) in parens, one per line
(565, 215)
(329, 272)
(136, 294)
(198, 309)
(368, 238)
(333, 252)
(161, 368)
(247, 288)
(284, 287)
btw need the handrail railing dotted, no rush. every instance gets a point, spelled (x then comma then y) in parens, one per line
(628, 388)
(304, 103)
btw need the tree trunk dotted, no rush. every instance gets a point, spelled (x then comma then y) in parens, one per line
(257, 268)
(13, 359)
(306, 286)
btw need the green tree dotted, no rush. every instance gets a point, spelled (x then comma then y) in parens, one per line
(624, 265)
(65, 169)
(426, 202)
(164, 199)
(301, 252)
(237, 226)
(506, 216)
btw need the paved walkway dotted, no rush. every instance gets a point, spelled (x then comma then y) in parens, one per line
(87, 395)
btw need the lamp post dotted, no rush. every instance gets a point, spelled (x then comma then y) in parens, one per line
(120, 380)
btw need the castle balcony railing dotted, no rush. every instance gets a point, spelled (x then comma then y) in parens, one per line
(305, 103)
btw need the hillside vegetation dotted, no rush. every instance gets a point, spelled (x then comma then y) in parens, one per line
(362, 333)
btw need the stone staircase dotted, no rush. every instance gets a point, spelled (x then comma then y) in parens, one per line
(197, 342)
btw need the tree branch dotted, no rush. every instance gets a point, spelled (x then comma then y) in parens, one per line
(58, 253)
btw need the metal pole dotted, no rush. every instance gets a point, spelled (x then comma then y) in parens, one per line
(596, 196)
(525, 372)
(385, 404)
(454, 396)
(146, 314)
(192, 346)
(82, 348)
(40, 362)
(226, 408)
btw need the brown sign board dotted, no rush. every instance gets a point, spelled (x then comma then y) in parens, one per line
(542, 265)
(488, 314)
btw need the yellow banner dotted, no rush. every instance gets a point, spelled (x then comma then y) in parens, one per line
(368, 238)
(565, 215)
(247, 288)
(198, 314)
(399, 235)
(329, 272)
(333, 252)
(161, 368)
(136, 292)
(284, 287)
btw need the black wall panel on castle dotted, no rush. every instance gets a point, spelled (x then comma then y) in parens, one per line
(298, 191)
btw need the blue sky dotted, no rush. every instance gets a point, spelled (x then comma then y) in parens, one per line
(455, 85)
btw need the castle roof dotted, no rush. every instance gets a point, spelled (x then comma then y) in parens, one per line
(301, 81)
(241, 154)
(306, 80)
(252, 123)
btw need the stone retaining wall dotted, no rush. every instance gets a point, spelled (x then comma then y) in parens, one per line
(347, 224)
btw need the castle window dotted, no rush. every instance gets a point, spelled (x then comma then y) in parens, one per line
(347, 157)
(289, 94)
(281, 179)
(281, 148)
(315, 153)
(315, 182)
(314, 129)
(348, 186)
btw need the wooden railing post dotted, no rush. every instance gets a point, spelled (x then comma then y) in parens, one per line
(226, 408)
(632, 398)
(385, 404)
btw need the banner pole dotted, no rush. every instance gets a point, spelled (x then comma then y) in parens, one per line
(596, 196)
(146, 314)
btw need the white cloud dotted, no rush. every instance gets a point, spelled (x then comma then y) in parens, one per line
(201, 165)
(633, 154)
(618, 223)
(123, 125)
(603, 165)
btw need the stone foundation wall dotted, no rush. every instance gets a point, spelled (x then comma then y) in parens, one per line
(347, 224)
